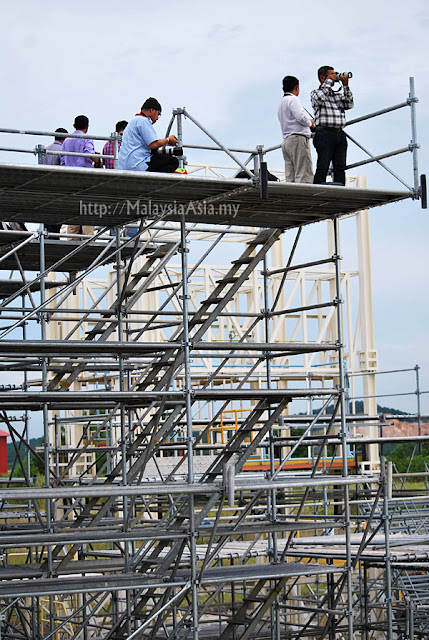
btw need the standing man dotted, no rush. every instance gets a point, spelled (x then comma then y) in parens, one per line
(80, 145)
(330, 140)
(109, 147)
(295, 125)
(55, 160)
(140, 139)
(57, 145)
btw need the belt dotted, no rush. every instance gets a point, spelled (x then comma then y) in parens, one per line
(320, 127)
(302, 135)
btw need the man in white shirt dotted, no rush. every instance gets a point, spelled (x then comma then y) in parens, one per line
(295, 125)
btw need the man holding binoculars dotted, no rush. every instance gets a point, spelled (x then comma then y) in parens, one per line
(329, 120)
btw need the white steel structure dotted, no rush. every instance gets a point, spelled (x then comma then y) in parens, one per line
(202, 477)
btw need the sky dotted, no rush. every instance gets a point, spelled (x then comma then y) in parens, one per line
(225, 61)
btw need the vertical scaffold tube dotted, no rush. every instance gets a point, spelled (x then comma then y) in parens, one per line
(341, 375)
(180, 138)
(115, 149)
(123, 418)
(388, 573)
(414, 143)
(49, 527)
(275, 620)
(189, 432)
(419, 411)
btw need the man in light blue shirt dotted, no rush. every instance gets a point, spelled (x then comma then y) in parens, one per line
(140, 139)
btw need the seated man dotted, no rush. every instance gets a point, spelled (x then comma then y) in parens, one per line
(140, 139)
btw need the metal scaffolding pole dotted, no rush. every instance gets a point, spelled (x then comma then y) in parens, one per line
(171, 510)
(189, 427)
(343, 434)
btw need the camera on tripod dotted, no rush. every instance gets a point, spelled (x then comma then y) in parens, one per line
(169, 151)
(348, 74)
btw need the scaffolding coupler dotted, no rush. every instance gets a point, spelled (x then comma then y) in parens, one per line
(423, 191)
(263, 180)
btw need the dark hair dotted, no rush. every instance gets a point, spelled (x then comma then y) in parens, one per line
(60, 130)
(289, 83)
(151, 103)
(120, 126)
(323, 71)
(80, 123)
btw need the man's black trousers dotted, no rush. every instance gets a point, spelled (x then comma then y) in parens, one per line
(162, 163)
(331, 145)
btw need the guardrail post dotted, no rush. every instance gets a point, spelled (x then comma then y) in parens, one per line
(115, 137)
(40, 152)
(412, 102)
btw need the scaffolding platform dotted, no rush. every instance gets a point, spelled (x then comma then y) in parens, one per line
(21, 585)
(9, 287)
(174, 467)
(408, 549)
(55, 251)
(57, 195)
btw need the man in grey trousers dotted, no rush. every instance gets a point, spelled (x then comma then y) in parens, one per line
(295, 125)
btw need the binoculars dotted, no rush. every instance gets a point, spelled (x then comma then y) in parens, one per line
(348, 74)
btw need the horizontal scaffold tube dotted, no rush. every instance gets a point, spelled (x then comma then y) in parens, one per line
(105, 348)
(170, 488)
(100, 583)
(134, 397)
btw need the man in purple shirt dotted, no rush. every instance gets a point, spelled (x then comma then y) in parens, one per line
(55, 146)
(55, 160)
(79, 145)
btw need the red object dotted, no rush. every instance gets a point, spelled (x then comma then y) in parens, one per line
(108, 150)
(3, 451)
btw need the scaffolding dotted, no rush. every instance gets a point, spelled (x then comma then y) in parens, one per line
(201, 473)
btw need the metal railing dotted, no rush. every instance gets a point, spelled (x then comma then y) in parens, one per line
(256, 156)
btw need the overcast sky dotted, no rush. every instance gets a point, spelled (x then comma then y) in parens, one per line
(225, 61)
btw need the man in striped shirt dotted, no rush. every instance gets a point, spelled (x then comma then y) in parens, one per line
(109, 147)
(330, 140)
